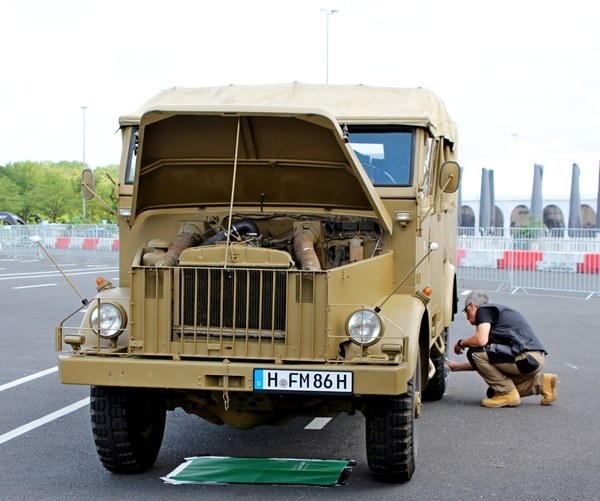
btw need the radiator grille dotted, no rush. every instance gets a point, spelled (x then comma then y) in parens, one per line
(249, 299)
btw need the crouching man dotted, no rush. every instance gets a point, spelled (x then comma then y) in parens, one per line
(506, 354)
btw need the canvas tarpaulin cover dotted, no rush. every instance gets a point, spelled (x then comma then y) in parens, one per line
(216, 469)
(348, 103)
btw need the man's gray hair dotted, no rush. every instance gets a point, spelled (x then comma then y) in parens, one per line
(477, 298)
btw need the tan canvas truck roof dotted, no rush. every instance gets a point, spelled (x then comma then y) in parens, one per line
(192, 156)
(348, 103)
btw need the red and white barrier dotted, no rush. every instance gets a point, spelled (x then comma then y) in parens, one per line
(529, 260)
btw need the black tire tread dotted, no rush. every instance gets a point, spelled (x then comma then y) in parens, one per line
(116, 425)
(389, 422)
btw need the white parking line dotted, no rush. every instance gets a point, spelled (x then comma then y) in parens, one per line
(17, 382)
(40, 273)
(54, 273)
(33, 286)
(317, 423)
(46, 419)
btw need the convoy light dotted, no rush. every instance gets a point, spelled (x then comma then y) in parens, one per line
(364, 327)
(74, 340)
(403, 216)
(108, 320)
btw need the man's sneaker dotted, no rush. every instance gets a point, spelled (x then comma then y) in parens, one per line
(511, 399)
(549, 389)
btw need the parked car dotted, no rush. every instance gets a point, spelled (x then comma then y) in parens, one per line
(21, 241)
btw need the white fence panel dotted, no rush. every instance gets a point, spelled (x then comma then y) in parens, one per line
(568, 261)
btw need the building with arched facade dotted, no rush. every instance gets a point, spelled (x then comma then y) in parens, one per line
(513, 187)
(513, 212)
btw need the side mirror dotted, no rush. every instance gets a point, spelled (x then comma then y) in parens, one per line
(87, 184)
(449, 176)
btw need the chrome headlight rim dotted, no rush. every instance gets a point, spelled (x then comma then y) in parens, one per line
(358, 321)
(113, 320)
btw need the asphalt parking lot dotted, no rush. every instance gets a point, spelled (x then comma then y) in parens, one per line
(467, 452)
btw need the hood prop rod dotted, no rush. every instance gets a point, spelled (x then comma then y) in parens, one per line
(235, 159)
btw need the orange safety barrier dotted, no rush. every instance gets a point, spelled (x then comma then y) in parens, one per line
(90, 244)
(520, 260)
(62, 243)
(591, 264)
(115, 245)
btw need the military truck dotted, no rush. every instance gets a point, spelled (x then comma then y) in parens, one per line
(285, 250)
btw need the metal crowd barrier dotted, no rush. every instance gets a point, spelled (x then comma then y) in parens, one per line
(90, 244)
(517, 259)
(532, 259)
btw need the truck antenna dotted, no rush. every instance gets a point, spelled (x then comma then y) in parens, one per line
(36, 239)
(432, 247)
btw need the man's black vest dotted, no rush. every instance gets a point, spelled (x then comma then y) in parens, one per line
(511, 334)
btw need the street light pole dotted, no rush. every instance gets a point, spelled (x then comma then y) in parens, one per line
(83, 108)
(327, 13)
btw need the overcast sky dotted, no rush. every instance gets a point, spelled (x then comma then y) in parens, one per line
(523, 67)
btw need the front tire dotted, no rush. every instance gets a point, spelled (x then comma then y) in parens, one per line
(392, 433)
(128, 426)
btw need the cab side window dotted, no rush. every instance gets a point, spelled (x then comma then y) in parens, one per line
(131, 157)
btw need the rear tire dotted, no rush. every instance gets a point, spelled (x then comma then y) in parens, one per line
(392, 434)
(436, 386)
(128, 426)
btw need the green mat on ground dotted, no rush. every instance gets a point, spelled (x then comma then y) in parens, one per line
(225, 470)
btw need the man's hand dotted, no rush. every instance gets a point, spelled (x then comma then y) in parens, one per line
(459, 366)
(458, 349)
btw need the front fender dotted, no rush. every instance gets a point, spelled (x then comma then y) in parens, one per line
(404, 312)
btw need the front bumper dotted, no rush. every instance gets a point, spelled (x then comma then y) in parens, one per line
(209, 376)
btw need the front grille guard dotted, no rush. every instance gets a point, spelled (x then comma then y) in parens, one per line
(257, 313)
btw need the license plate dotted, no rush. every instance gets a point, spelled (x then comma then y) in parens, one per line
(307, 381)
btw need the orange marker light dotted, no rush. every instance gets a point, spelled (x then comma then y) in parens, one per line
(103, 284)
(427, 291)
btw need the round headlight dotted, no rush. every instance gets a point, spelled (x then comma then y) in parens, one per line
(108, 319)
(364, 327)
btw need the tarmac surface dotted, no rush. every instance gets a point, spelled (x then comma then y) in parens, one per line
(467, 452)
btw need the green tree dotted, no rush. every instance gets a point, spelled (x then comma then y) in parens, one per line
(51, 191)
(26, 176)
(55, 198)
(10, 200)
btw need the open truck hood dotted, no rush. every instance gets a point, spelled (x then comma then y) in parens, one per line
(286, 157)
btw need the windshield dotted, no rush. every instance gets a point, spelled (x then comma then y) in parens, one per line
(385, 154)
